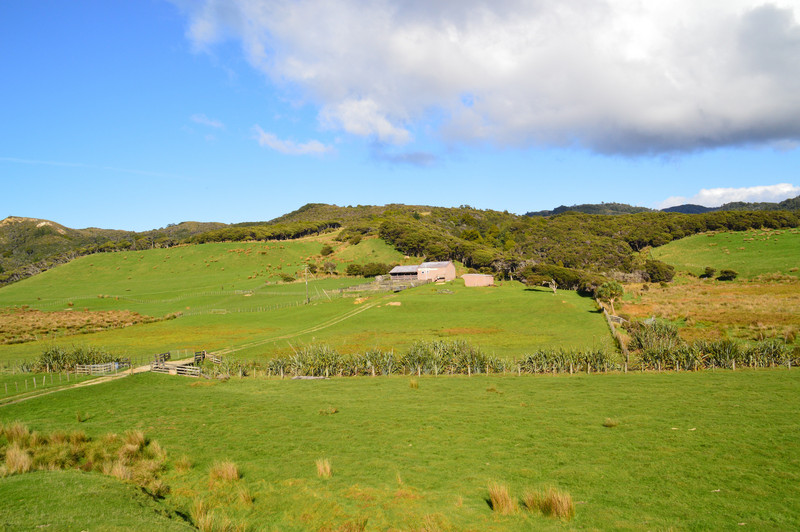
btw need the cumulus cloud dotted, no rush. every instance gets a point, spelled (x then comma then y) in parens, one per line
(620, 76)
(206, 121)
(289, 147)
(714, 197)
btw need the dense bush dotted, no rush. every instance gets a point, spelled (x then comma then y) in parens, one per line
(727, 275)
(57, 358)
(659, 272)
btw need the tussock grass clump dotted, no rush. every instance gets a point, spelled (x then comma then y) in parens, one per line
(223, 472)
(501, 500)
(17, 432)
(183, 464)
(328, 411)
(610, 423)
(17, 459)
(553, 503)
(324, 468)
(413, 384)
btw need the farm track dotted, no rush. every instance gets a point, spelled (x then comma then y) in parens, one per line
(142, 369)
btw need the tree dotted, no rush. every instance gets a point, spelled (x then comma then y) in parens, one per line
(610, 292)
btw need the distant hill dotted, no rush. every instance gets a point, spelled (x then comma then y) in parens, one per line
(792, 204)
(31, 245)
(689, 208)
(593, 208)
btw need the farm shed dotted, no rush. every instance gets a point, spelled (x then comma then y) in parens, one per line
(478, 279)
(436, 271)
(404, 272)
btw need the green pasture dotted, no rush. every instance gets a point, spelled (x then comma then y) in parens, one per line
(160, 281)
(706, 450)
(507, 320)
(72, 500)
(750, 253)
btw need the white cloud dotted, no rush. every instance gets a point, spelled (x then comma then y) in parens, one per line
(288, 147)
(620, 76)
(204, 120)
(714, 197)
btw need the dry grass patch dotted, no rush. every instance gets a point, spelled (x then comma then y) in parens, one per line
(324, 468)
(413, 384)
(223, 472)
(552, 503)
(610, 423)
(17, 459)
(501, 500)
(748, 309)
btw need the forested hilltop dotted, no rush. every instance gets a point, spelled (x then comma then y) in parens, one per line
(577, 250)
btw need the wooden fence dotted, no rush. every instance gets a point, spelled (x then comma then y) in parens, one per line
(101, 369)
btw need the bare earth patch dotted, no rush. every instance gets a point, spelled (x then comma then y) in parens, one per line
(20, 324)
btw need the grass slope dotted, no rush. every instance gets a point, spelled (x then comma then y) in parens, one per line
(750, 253)
(73, 500)
(689, 450)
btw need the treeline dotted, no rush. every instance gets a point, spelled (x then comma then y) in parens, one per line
(284, 231)
(505, 244)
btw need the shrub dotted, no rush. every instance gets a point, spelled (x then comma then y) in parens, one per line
(659, 271)
(354, 270)
(501, 500)
(326, 250)
(610, 423)
(708, 273)
(727, 275)
(287, 278)
(373, 269)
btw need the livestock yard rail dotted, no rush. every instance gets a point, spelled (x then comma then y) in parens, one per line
(159, 364)
(102, 369)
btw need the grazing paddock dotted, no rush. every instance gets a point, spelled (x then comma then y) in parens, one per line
(689, 450)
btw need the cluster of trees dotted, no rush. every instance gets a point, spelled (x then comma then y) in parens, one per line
(283, 231)
(370, 269)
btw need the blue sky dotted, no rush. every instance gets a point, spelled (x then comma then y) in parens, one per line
(137, 114)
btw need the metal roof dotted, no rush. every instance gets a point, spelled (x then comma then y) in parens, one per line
(434, 264)
(404, 269)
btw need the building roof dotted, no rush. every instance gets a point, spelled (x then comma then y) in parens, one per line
(477, 275)
(434, 264)
(404, 269)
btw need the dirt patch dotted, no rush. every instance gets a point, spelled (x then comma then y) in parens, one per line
(20, 324)
(359, 300)
(393, 304)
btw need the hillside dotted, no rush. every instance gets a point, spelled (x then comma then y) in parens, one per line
(30, 245)
(501, 243)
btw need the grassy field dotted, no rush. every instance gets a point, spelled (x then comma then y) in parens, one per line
(228, 296)
(507, 320)
(750, 253)
(708, 450)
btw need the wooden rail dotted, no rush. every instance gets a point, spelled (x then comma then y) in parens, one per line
(101, 369)
(162, 357)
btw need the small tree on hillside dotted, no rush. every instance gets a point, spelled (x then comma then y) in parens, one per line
(610, 292)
